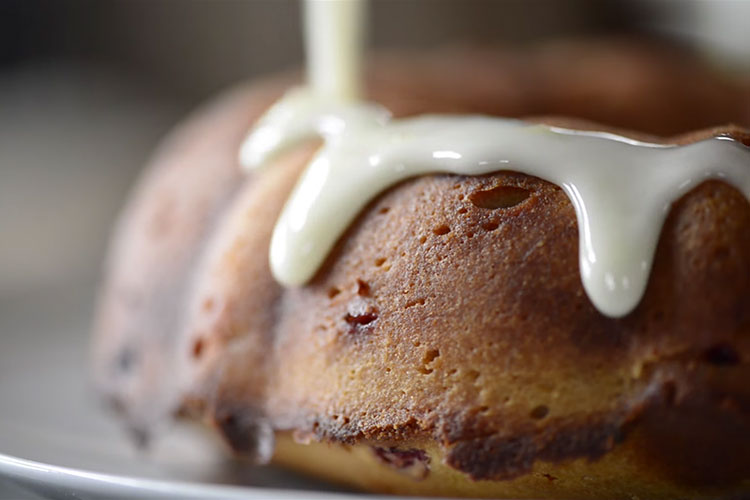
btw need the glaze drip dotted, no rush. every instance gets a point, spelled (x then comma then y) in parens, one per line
(621, 188)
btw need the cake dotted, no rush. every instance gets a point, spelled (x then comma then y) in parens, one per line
(446, 345)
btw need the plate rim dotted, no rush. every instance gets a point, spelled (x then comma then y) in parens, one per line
(64, 478)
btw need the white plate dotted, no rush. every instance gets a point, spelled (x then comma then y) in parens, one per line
(56, 441)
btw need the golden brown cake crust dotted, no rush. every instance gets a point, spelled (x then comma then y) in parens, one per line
(452, 312)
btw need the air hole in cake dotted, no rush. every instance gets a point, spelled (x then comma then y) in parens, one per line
(722, 354)
(441, 230)
(414, 463)
(415, 302)
(361, 313)
(379, 261)
(431, 355)
(490, 225)
(499, 197)
(333, 291)
(364, 318)
(462, 210)
(363, 289)
(423, 239)
(539, 412)
(384, 210)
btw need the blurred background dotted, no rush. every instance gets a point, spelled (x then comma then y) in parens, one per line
(87, 88)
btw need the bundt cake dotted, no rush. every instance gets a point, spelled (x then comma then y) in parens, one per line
(446, 344)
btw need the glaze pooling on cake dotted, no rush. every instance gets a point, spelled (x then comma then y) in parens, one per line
(621, 188)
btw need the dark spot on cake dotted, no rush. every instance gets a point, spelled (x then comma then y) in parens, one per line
(549, 477)
(384, 210)
(247, 432)
(722, 354)
(506, 457)
(208, 304)
(333, 291)
(499, 197)
(379, 261)
(539, 412)
(413, 462)
(441, 230)
(198, 348)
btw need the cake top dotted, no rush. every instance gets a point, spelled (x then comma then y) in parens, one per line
(621, 188)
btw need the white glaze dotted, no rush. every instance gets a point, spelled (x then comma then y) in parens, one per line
(621, 189)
